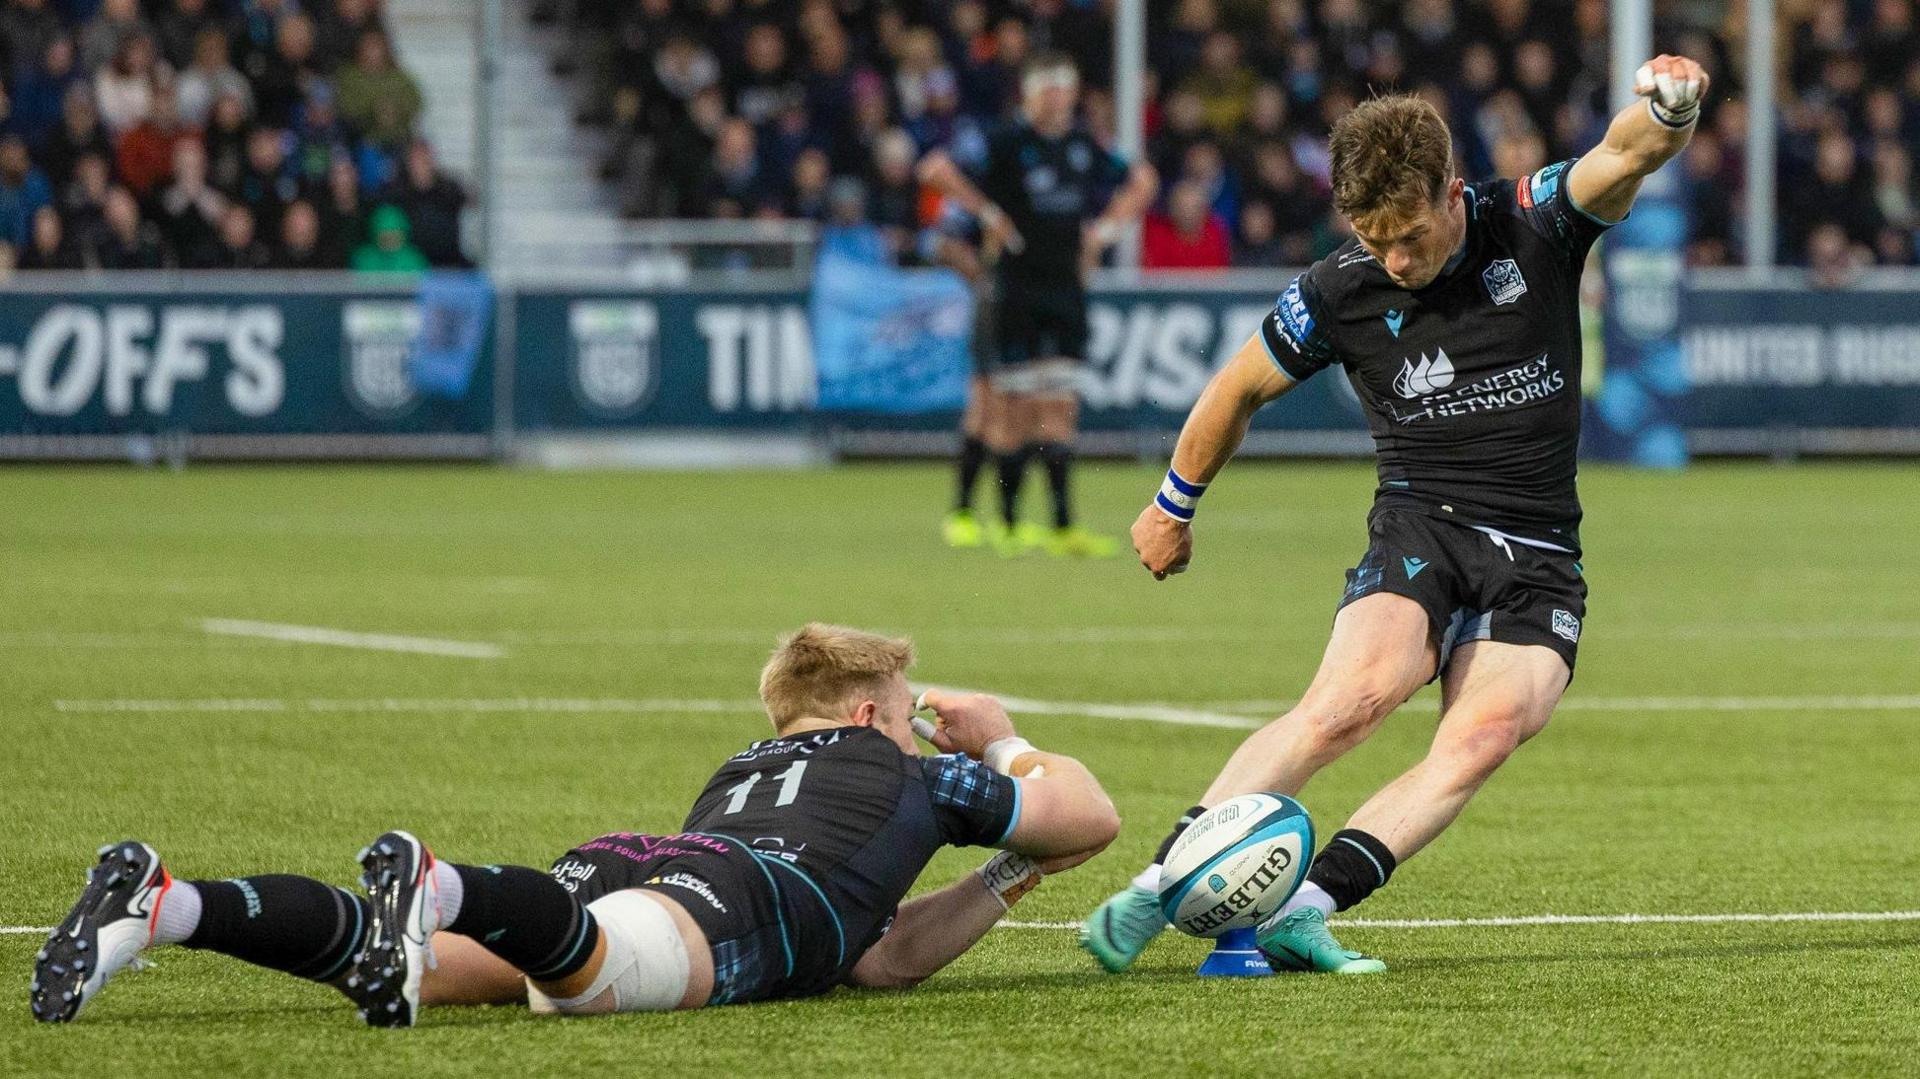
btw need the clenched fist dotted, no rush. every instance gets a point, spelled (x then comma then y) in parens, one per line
(1164, 545)
(1673, 87)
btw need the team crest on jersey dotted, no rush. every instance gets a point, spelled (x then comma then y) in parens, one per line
(1427, 377)
(1566, 625)
(1504, 282)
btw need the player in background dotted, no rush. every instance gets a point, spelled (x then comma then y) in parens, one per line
(1036, 192)
(955, 241)
(784, 881)
(1454, 312)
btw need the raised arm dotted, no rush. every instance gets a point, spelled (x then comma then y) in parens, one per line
(1641, 138)
(1213, 431)
(938, 171)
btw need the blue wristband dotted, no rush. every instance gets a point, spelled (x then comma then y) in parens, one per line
(1179, 497)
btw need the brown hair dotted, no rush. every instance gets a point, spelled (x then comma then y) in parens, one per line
(820, 669)
(1390, 154)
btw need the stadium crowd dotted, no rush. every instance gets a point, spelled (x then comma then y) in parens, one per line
(735, 108)
(214, 134)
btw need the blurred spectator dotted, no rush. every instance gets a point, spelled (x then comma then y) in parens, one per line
(124, 87)
(317, 135)
(1223, 84)
(343, 217)
(1188, 235)
(1257, 242)
(734, 186)
(209, 78)
(390, 248)
(23, 191)
(27, 27)
(342, 25)
(225, 139)
(239, 247)
(807, 197)
(768, 85)
(111, 27)
(893, 199)
(83, 202)
(39, 97)
(299, 247)
(380, 100)
(122, 240)
(179, 27)
(1833, 259)
(79, 133)
(145, 154)
(266, 185)
(48, 249)
(189, 208)
(285, 75)
(432, 202)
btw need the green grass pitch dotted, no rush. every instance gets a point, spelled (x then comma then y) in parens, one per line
(1744, 737)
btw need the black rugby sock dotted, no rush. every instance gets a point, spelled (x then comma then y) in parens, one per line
(525, 917)
(973, 458)
(1191, 815)
(1058, 457)
(1351, 867)
(1013, 472)
(308, 928)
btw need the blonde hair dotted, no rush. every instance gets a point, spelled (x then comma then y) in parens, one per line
(1390, 156)
(819, 670)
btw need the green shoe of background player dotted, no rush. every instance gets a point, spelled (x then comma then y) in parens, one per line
(1030, 536)
(1122, 927)
(962, 529)
(1077, 542)
(1004, 541)
(1300, 942)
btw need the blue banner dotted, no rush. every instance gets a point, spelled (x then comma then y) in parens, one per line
(455, 310)
(890, 341)
(1638, 413)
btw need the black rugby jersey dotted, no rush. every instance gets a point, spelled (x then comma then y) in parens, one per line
(1050, 188)
(1471, 385)
(841, 822)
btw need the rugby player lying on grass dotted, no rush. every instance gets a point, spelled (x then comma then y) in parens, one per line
(785, 880)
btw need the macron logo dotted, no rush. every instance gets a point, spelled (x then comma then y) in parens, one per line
(1413, 566)
(1394, 319)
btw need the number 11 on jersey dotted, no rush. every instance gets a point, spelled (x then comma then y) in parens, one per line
(789, 788)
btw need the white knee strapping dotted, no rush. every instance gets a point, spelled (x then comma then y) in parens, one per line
(646, 968)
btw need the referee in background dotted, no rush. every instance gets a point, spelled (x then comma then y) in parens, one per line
(1037, 191)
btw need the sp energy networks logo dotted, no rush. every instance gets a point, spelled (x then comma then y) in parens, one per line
(616, 355)
(1428, 376)
(376, 339)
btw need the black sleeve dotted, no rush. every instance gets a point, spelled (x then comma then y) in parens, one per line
(1549, 210)
(1296, 339)
(973, 805)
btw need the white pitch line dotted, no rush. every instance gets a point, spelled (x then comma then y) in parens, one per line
(341, 638)
(1222, 714)
(1579, 919)
(1892, 702)
(1517, 921)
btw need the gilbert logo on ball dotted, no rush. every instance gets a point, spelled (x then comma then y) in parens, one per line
(1236, 864)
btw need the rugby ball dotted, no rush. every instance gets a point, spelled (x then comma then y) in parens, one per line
(1236, 864)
